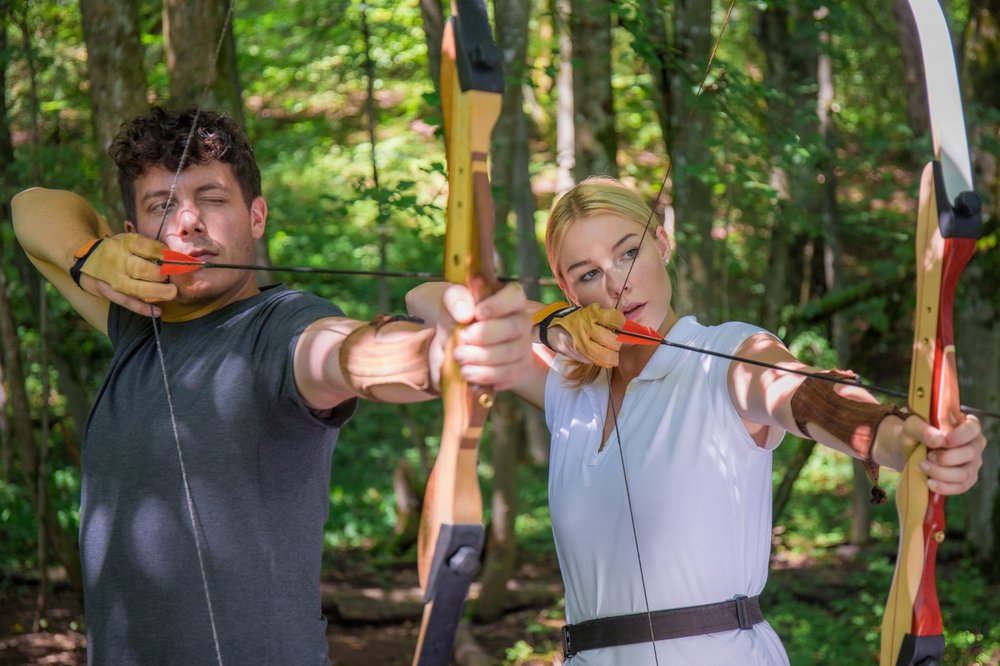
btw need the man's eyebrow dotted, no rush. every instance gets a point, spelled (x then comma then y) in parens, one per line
(156, 194)
(624, 239)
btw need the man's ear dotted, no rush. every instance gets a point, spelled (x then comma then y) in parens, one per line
(258, 217)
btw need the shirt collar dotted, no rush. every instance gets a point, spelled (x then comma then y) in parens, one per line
(664, 358)
(661, 362)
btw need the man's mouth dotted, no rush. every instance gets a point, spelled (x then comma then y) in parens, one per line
(202, 255)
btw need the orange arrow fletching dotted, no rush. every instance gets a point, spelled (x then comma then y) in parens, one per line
(637, 334)
(188, 265)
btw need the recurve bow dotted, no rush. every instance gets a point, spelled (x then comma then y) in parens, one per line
(948, 227)
(451, 533)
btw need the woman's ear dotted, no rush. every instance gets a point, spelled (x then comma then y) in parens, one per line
(663, 243)
(562, 286)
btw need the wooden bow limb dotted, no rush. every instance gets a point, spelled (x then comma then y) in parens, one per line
(948, 227)
(451, 535)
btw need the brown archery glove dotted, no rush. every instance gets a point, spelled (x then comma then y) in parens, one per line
(127, 264)
(590, 330)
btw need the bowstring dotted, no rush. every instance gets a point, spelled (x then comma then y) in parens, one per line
(611, 403)
(171, 196)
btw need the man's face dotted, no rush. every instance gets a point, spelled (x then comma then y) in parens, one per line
(208, 219)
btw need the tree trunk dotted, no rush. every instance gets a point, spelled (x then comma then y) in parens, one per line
(565, 130)
(511, 176)
(596, 140)
(773, 37)
(6, 192)
(978, 335)
(192, 33)
(41, 474)
(692, 196)
(382, 220)
(6, 451)
(433, 20)
(511, 182)
(117, 83)
(501, 539)
(913, 67)
(861, 515)
(62, 541)
(652, 35)
(978, 345)
(783, 493)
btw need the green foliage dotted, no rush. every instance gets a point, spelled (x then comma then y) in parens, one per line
(303, 70)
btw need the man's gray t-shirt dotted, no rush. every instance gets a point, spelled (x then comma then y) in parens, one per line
(258, 465)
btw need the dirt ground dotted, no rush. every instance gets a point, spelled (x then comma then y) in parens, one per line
(351, 602)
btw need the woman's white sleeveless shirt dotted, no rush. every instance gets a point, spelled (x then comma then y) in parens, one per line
(700, 493)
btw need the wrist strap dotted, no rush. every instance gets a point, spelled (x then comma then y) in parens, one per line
(540, 315)
(543, 325)
(81, 256)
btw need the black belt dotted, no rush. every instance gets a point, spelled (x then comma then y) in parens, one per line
(740, 612)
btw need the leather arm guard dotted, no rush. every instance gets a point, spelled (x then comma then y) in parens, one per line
(853, 423)
(389, 350)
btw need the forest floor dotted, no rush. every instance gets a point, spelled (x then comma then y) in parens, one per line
(374, 613)
(373, 616)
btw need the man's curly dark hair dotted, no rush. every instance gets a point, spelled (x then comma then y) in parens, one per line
(157, 139)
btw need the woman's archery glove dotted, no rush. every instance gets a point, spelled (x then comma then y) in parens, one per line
(126, 263)
(591, 330)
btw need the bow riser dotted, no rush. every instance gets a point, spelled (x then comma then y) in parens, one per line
(912, 629)
(451, 533)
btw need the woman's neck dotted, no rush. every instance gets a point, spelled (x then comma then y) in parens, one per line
(633, 358)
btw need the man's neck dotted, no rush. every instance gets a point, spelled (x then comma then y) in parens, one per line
(175, 312)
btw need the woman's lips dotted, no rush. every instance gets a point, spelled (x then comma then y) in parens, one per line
(633, 312)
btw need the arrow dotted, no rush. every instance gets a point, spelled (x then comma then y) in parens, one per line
(178, 263)
(638, 334)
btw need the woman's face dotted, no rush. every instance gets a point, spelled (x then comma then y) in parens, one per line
(598, 252)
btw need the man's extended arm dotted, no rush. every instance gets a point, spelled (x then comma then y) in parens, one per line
(400, 361)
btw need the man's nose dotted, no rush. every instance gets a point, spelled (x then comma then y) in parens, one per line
(189, 220)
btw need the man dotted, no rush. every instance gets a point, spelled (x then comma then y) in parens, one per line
(206, 458)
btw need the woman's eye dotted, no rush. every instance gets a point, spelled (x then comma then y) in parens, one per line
(588, 276)
(631, 253)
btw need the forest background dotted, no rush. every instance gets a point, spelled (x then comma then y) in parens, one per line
(792, 190)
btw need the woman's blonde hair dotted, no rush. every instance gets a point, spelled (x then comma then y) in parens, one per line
(591, 197)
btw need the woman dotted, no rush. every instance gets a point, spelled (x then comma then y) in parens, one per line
(660, 467)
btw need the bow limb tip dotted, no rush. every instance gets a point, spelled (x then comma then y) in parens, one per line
(179, 263)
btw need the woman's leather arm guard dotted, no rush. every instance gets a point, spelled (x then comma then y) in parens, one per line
(372, 356)
(853, 423)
